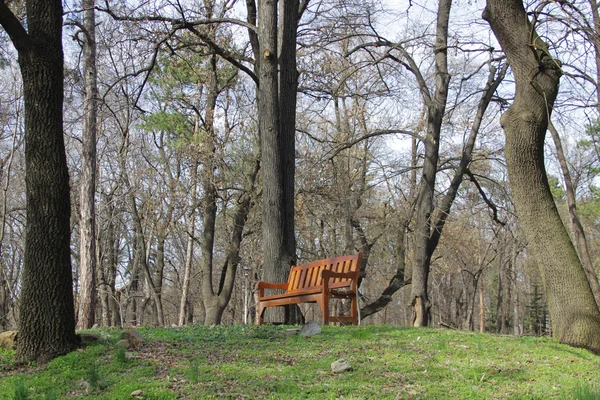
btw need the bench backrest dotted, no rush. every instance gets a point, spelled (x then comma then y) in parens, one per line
(308, 276)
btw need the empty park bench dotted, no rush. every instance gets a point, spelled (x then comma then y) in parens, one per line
(316, 282)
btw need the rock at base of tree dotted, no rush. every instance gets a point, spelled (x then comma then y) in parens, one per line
(88, 338)
(8, 340)
(310, 329)
(339, 366)
(131, 339)
(95, 326)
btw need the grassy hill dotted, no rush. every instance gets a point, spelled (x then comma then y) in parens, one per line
(272, 363)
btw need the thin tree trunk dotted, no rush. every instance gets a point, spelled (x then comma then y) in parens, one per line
(111, 270)
(481, 306)
(6, 291)
(87, 224)
(397, 282)
(218, 303)
(436, 106)
(189, 252)
(499, 302)
(141, 259)
(596, 42)
(514, 282)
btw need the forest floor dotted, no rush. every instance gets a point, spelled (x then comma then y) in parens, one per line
(268, 362)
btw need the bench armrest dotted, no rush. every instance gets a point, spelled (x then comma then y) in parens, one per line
(262, 285)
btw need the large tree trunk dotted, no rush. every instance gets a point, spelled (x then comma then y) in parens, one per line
(277, 107)
(275, 260)
(46, 318)
(575, 316)
(288, 85)
(578, 233)
(87, 223)
(274, 47)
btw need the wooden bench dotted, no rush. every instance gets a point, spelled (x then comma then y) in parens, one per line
(316, 282)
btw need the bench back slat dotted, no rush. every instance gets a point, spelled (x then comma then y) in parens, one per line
(308, 276)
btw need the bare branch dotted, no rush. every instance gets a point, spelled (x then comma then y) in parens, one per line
(490, 204)
(14, 28)
(368, 136)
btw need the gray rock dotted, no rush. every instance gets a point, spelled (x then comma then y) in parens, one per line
(136, 393)
(310, 329)
(339, 366)
(87, 338)
(131, 339)
(8, 340)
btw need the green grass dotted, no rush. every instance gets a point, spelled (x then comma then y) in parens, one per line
(269, 363)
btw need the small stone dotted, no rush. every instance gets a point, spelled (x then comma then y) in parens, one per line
(136, 393)
(87, 338)
(8, 340)
(310, 329)
(133, 338)
(339, 366)
(95, 326)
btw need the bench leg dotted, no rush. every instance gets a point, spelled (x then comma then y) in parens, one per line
(354, 310)
(325, 309)
(260, 310)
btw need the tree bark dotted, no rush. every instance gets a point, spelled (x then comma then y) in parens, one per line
(87, 223)
(578, 233)
(436, 106)
(277, 75)
(275, 260)
(189, 252)
(288, 86)
(575, 316)
(481, 306)
(46, 318)
(209, 199)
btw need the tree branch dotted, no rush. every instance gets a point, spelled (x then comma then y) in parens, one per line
(368, 136)
(174, 21)
(409, 64)
(223, 53)
(14, 28)
(490, 204)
